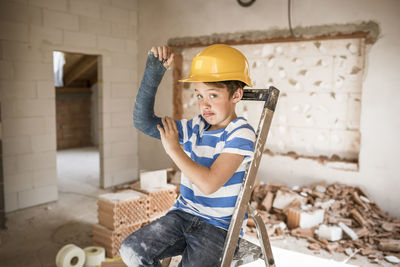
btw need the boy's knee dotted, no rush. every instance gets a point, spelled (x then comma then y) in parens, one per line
(129, 256)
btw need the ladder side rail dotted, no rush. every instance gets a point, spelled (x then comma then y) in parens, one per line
(240, 210)
(235, 226)
(263, 237)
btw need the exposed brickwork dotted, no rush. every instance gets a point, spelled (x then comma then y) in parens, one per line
(73, 121)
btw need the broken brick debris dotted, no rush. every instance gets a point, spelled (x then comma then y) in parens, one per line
(330, 233)
(297, 217)
(314, 246)
(284, 198)
(389, 245)
(366, 228)
(392, 259)
(267, 202)
(251, 222)
(358, 217)
(348, 231)
(305, 233)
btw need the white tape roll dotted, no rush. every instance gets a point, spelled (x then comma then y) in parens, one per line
(70, 256)
(94, 256)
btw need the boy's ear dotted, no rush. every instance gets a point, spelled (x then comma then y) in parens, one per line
(237, 95)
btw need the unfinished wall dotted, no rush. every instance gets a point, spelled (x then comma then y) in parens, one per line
(379, 124)
(29, 32)
(320, 83)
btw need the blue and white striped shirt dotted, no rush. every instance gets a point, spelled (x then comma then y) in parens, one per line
(204, 147)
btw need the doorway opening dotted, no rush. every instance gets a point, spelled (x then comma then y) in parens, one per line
(77, 121)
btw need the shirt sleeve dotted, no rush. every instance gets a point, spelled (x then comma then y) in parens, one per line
(241, 141)
(184, 129)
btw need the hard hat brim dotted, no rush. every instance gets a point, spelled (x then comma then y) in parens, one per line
(217, 78)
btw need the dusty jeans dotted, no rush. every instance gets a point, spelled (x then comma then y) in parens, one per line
(176, 233)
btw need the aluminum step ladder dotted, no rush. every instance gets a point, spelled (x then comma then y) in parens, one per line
(246, 248)
(270, 97)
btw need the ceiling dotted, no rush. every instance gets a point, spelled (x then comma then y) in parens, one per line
(80, 70)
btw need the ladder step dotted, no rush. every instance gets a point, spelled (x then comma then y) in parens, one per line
(247, 253)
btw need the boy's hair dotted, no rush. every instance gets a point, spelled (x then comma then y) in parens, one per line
(232, 86)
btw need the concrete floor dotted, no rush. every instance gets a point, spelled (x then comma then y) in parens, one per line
(35, 235)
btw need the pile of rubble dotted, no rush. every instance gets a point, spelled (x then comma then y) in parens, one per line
(334, 217)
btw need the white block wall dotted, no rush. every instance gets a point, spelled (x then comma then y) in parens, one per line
(29, 32)
(379, 169)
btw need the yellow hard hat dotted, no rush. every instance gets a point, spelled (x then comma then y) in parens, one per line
(218, 63)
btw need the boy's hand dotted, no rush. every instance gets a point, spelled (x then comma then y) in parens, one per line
(169, 135)
(164, 53)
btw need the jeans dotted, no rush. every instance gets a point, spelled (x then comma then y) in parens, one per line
(176, 233)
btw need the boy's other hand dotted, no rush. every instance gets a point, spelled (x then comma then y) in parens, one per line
(164, 54)
(169, 135)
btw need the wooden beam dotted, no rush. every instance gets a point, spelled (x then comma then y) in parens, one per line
(79, 69)
(367, 30)
(71, 60)
(203, 43)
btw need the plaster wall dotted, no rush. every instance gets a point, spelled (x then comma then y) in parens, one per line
(379, 123)
(318, 115)
(29, 32)
(94, 130)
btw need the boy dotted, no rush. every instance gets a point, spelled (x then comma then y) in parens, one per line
(216, 148)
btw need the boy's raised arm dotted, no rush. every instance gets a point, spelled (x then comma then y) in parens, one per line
(158, 60)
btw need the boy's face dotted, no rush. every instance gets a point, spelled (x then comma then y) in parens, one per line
(215, 105)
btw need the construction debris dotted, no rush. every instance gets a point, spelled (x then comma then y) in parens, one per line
(284, 198)
(392, 259)
(330, 233)
(348, 231)
(389, 245)
(320, 213)
(304, 218)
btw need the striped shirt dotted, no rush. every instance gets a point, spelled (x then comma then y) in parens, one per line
(204, 147)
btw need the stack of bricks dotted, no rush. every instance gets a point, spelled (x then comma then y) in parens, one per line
(160, 199)
(119, 215)
(124, 212)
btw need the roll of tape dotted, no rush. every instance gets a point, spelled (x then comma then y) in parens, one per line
(70, 256)
(94, 256)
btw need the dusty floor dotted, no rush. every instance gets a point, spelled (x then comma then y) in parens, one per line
(35, 235)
